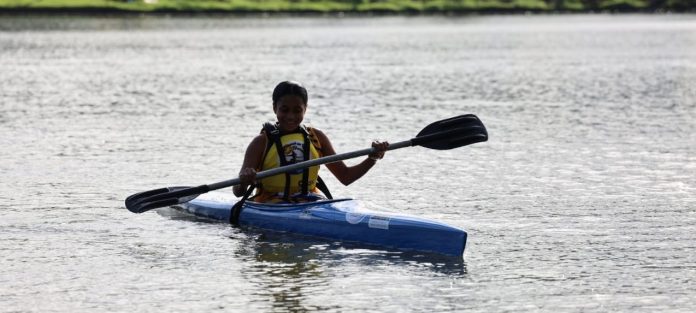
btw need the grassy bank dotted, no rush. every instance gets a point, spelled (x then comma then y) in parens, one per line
(348, 6)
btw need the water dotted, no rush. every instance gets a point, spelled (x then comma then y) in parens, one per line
(583, 200)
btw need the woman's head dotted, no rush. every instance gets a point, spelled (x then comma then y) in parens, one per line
(289, 104)
(289, 88)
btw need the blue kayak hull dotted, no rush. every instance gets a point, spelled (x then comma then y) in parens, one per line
(341, 220)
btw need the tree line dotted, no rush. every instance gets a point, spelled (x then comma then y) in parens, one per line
(358, 6)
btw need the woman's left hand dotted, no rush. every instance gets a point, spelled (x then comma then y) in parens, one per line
(381, 148)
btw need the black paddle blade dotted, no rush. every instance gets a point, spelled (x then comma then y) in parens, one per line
(157, 198)
(452, 133)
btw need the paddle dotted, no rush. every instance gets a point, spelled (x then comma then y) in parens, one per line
(442, 135)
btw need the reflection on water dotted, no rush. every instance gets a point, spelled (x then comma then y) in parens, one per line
(290, 268)
(283, 271)
(270, 246)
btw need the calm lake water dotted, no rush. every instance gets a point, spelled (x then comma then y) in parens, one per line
(583, 200)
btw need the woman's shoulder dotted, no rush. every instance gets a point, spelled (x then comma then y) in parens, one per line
(318, 138)
(259, 140)
(310, 127)
(313, 131)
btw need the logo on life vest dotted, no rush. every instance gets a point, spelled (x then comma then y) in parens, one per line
(294, 153)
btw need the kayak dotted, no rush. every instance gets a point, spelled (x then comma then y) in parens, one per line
(343, 220)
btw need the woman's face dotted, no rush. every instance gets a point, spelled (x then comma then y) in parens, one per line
(290, 112)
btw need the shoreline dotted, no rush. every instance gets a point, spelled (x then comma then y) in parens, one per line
(261, 13)
(304, 12)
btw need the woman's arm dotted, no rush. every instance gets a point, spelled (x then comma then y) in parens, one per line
(348, 174)
(252, 161)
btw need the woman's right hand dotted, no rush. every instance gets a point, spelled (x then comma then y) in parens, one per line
(247, 176)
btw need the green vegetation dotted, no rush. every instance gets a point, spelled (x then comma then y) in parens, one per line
(357, 6)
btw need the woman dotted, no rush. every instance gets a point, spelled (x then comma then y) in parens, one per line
(294, 142)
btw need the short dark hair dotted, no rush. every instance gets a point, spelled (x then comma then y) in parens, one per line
(289, 88)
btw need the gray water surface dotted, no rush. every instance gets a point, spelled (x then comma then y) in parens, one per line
(583, 200)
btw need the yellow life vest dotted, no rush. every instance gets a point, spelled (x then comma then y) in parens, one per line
(295, 147)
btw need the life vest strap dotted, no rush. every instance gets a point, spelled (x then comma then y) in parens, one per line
(283, 162)
(321, 185)
(305, 171)
(236, 209)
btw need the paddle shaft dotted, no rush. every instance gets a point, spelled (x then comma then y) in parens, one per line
(308, 163)
(442, 135)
